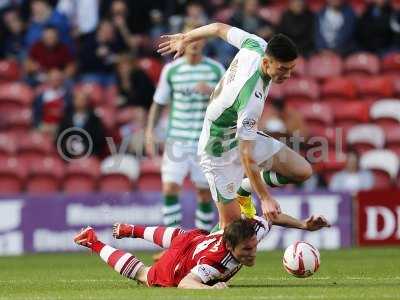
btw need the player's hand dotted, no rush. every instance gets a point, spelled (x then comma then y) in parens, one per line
(314, 223)
(270, 208)
(150, 145)
(220, 285)
(174, 43)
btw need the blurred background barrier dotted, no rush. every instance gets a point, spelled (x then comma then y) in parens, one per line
(48, 223)
(378, 218)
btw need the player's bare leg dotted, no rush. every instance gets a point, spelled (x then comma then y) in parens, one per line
(228, 212)
(122, 262)
(204, 217)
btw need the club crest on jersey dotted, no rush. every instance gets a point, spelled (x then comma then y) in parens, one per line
(230, 188)
(249, 123)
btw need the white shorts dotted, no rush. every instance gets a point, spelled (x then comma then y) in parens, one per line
(225, 174)
(180, 159)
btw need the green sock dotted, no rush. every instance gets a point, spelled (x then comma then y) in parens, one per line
(274, 179)
(204, 215)
(242, 192)
(172, 214)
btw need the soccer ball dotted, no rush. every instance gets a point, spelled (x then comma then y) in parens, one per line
(301, 259)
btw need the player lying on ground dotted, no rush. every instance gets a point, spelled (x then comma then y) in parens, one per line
(230, 143)
(193, 259)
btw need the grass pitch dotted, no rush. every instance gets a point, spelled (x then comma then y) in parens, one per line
(346, 274)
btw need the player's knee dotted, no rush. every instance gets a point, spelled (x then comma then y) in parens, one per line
(303, 173)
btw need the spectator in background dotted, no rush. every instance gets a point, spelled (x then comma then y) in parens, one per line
(81, 115)
(42, 15)
(395, 27)
(298, 23)
(83, 15)
(135, 87)
(249, 20)
(98, 55)
(373, 29)
(335, 27)
(352, 179)
(13, 44)
(49, 106)
(49, 53)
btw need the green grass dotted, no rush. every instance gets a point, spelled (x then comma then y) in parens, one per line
(345, 274)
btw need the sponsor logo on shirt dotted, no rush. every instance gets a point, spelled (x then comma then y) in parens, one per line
(249, 123)
(258, 95)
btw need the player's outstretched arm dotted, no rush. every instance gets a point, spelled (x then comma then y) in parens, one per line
(192, 281)
(313, 223)
(177, 43)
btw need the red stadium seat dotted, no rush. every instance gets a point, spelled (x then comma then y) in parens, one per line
(8, 145)
(95, 91)
(374, 86)
(317, 115)
(362, 63)
(152, 67)
(81, 176)
(107, 115)
(396, 84)
(34, 146)
(9, 70)
(391, 63)
(324, 66)
(392, 134)
(384, 164)
(45, 175)
(386, 112)
(19, 122)
(358, 6)
(349, 113)
(150, 178)
(224, 14)
(329, 165)
(12, 176)
(338, 88)
(300, 90)
(366, 137)
(115, 183)
(316, 5)
(14, 96)
(330, 135)
(275, 92)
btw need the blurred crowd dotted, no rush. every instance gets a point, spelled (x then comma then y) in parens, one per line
(92, 64)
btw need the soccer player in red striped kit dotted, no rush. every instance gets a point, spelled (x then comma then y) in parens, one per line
(193, 259)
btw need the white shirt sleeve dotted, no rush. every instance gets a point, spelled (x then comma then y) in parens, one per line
(163, 92)
(237, 37)
(206, 272)
(248, 117)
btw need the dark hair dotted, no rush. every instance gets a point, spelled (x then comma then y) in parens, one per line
(282, 48)
(238, 231)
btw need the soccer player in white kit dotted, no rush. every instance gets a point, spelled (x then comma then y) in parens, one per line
(230, 144)
(185, 85)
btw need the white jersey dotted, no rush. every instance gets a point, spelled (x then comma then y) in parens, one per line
(177, 87)
(237, 101)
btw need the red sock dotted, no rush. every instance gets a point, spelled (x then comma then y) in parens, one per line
(159, 235)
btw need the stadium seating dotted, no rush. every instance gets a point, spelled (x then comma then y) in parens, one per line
(386, 112)
(8, 145)
(14, 96)
(317, 115)
(338, 88)
(324, 66)
(392, 134)
(362, 63)
(365, 137)
(150, 178)
(300, 90)
(384, 164)
(118, 173)
(44, 175)
(95, 91)
(330, 163)
(374, 87)
(300, 68)
(81, 175)
(9, 70)
(12, 175)
(152, 67)
(33, 146)
(391, 63)
(349, 113)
